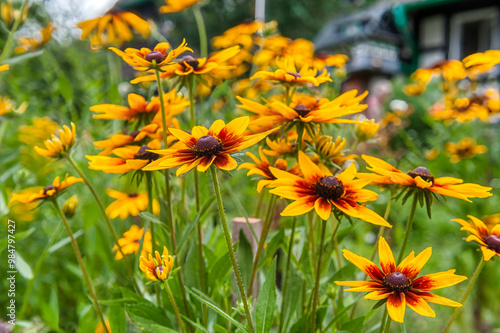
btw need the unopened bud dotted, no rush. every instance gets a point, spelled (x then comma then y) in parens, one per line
(69, 207)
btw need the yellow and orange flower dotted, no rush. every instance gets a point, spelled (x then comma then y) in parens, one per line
(189, 65)
(138, 108)
(204, 147)
(9, 15)
(261, 168)
(489, 239)
(463, 110)
(4, 68)
(114, 28)
(128, 158)
(39, 193)
(330, 150)
(482, 62)
(131, 242)
(450, 70)
(421, 178)
(33, 44)
(159, 267)
(58, 146)
(399, 284)
(145, 59)
(366, 129)
(242, 34)
(465, 148)
(126, 204)
(173, 6)
(285, 146)
(324, 59)
(288, 75)
(321, 191)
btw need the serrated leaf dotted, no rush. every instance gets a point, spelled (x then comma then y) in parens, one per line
(266, 303)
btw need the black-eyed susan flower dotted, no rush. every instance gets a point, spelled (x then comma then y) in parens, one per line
(204, 147)
(59, 145)
(465, 148)
(159, 267)
(146, 59)
(127, 158)
(321, 191)
(126, 204)
(39, 193)
(450, 70)
(288, 75)
(285, 146)
(188, 65)
(482, 61)
(488, 238)
(33, 44)
(4, 68)
(131, 241)
(261, 168)
(173, 6)
(114, 28)
(137, 109)
(399, 284)
(461, 110)
(421, 178)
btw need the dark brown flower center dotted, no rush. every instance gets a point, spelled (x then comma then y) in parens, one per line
(397, 281)
(158, 270)
(134, 133)
(207, 145)
(302, 110)
(493, 243)
(423, 173)
(133, 195)
(329, 188)
(295, 75)
(144, 154)
(155, 55)
(191, 61)
(48, 188)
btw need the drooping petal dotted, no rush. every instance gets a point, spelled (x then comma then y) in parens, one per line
(396, 305)
(487, 253)
(419, 305)
(323, 208)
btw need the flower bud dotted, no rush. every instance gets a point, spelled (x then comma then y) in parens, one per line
(69, 207)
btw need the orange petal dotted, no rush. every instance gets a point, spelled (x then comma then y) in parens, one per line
(419, 305)
(396, 305)
(386, 257)
(365, 265)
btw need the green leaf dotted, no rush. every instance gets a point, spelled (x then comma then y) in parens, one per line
(148, 317)
(273, 245)
(379, 303)
(187, 233)
(220, 269)
(266, 303)
(64, 241)
(117, 319)
(192, 266)
(218, 310)
(50, 310)
(23, 268)
(151, 218)
(65, 87)
(354, 325)
(245, 258)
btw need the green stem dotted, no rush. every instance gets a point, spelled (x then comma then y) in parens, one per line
(149, 190)
(287, 274)
(37, 268)
(80, 262)
(8, 44)
(229, 244)
(262, 240)
(388, 323)
(318, 274)
(259, 203)
(409, 224)
(106, 219)
(174, 304)
(472, 281)
(202, 31)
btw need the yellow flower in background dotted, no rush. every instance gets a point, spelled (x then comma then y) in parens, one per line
(366, 129)
(9, 15)
(33, 44)
(330, 150)
(287, 145)
(462, 110)
(173, 6)
(321, 191)
(288, 75)
(251, 89)
(114, 28)
(21, 212)
(126, 204)
(261, 168)
(188, 65)
(6, 105)
(242, 34)
(323, 59)
(450, 70)
(58, 145)
(300, 51)
(482, 62)
(145, 59)
(138, 108)
(465, 148)
(399, 284)
(128, 158)
(131, 242)
(100, 328)
(157, 268)
(38, 193)
(432, 154)
(4, 68)
(489, 239)
(69, 207)
(203, 147)
(420, 177)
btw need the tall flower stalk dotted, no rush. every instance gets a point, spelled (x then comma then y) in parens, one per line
(229, 243)
(318, 275)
